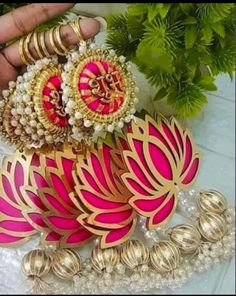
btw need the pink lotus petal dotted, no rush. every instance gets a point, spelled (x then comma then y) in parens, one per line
(113, 218)
(178, 137)
(8, 209)
(160, 161)
(89, 178)
(54, 204)
(51, 162)
(52, 237)
(164, 212)
(78, 237)
(98, 202)
(116, 235)
(16, 226)
(137, 170)
(35, 219)
(19, 179)
(188, 153)
(191, 171)
(35, 200)
(63, 223)
(40, 180)
(35, 160)
(138, 146)
(60, 189)
(67, 165)
(168, 133)
(10, 239)
(136, 186)
(149, 205)
(7, 186)
(98, 170)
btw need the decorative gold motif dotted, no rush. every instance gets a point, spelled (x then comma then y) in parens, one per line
(75, 25)
(104, 259)
(66, 263)
(134, 253)
(36, 263)
(212, 226)
(211, 201)
(164, 256)
(186, 237)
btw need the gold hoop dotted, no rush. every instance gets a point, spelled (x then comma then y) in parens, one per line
(59, 40)
(29, 57)
(36, 45)
(75, 25)
(43, 44)
(21, 51)
(52, 42)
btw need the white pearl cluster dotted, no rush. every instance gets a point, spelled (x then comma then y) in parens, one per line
(27, 128)
(83, 127)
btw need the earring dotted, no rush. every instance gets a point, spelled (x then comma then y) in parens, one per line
(34, 114)
(98, 91)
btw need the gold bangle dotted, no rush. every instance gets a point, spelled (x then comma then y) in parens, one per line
(52, 42)
(36, 45)
(29, 56)
(75, 25)
(21, 51)
(59, 40)
(43, 44)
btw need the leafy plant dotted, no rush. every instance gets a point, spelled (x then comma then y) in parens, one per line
(180, 47)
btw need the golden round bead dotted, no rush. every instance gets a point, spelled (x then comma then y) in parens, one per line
(211, 201)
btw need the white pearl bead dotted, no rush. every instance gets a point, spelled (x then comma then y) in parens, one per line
(75, 130)
(12, 84)
(5, 93)
(74, 56)
(14, 112)
(132, 110)
(34, 137)
(92, 45)
(19, 78)
(18, 99)
(28, 130)
(20, 110)
(87, 123)
(122, 59)
(82, 49)
(14, 122)
(49, 138)
(136, 89)
(136, 100)
(110, 128)
(26, 86)
(23, 121)
(33, 123)
(68, 110)
(98, 127)
(18, 132)
(26, 98)
(2, 103)
(120, 124)
(112, 52)
(70, 104)
(128, 119)
(28, 110)
(78, 115)
(40, 132)
(71, 121)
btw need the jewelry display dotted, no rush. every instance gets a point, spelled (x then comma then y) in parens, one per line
(87, 168)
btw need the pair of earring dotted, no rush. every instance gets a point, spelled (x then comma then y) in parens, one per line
(92, 93)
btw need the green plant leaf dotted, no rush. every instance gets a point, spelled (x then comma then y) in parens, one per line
(154, 57)
(152, 13)
(190, 20)
(161, 94)
(163, 10)
(207, 34)
(219, 29)
(138, 8)
(185, 7)
(190, 36)
(206, 82)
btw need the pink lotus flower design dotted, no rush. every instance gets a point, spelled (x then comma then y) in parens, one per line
(102, 196)
(161, 160)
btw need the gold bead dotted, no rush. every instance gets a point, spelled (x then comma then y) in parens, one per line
(212, 226)
(186, 237)
(134, 253)
(66, 263)
(211, 201)
(36, 263)
(165, 256)
(104, 259)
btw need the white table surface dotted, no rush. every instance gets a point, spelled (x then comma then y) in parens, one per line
(214, 131)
